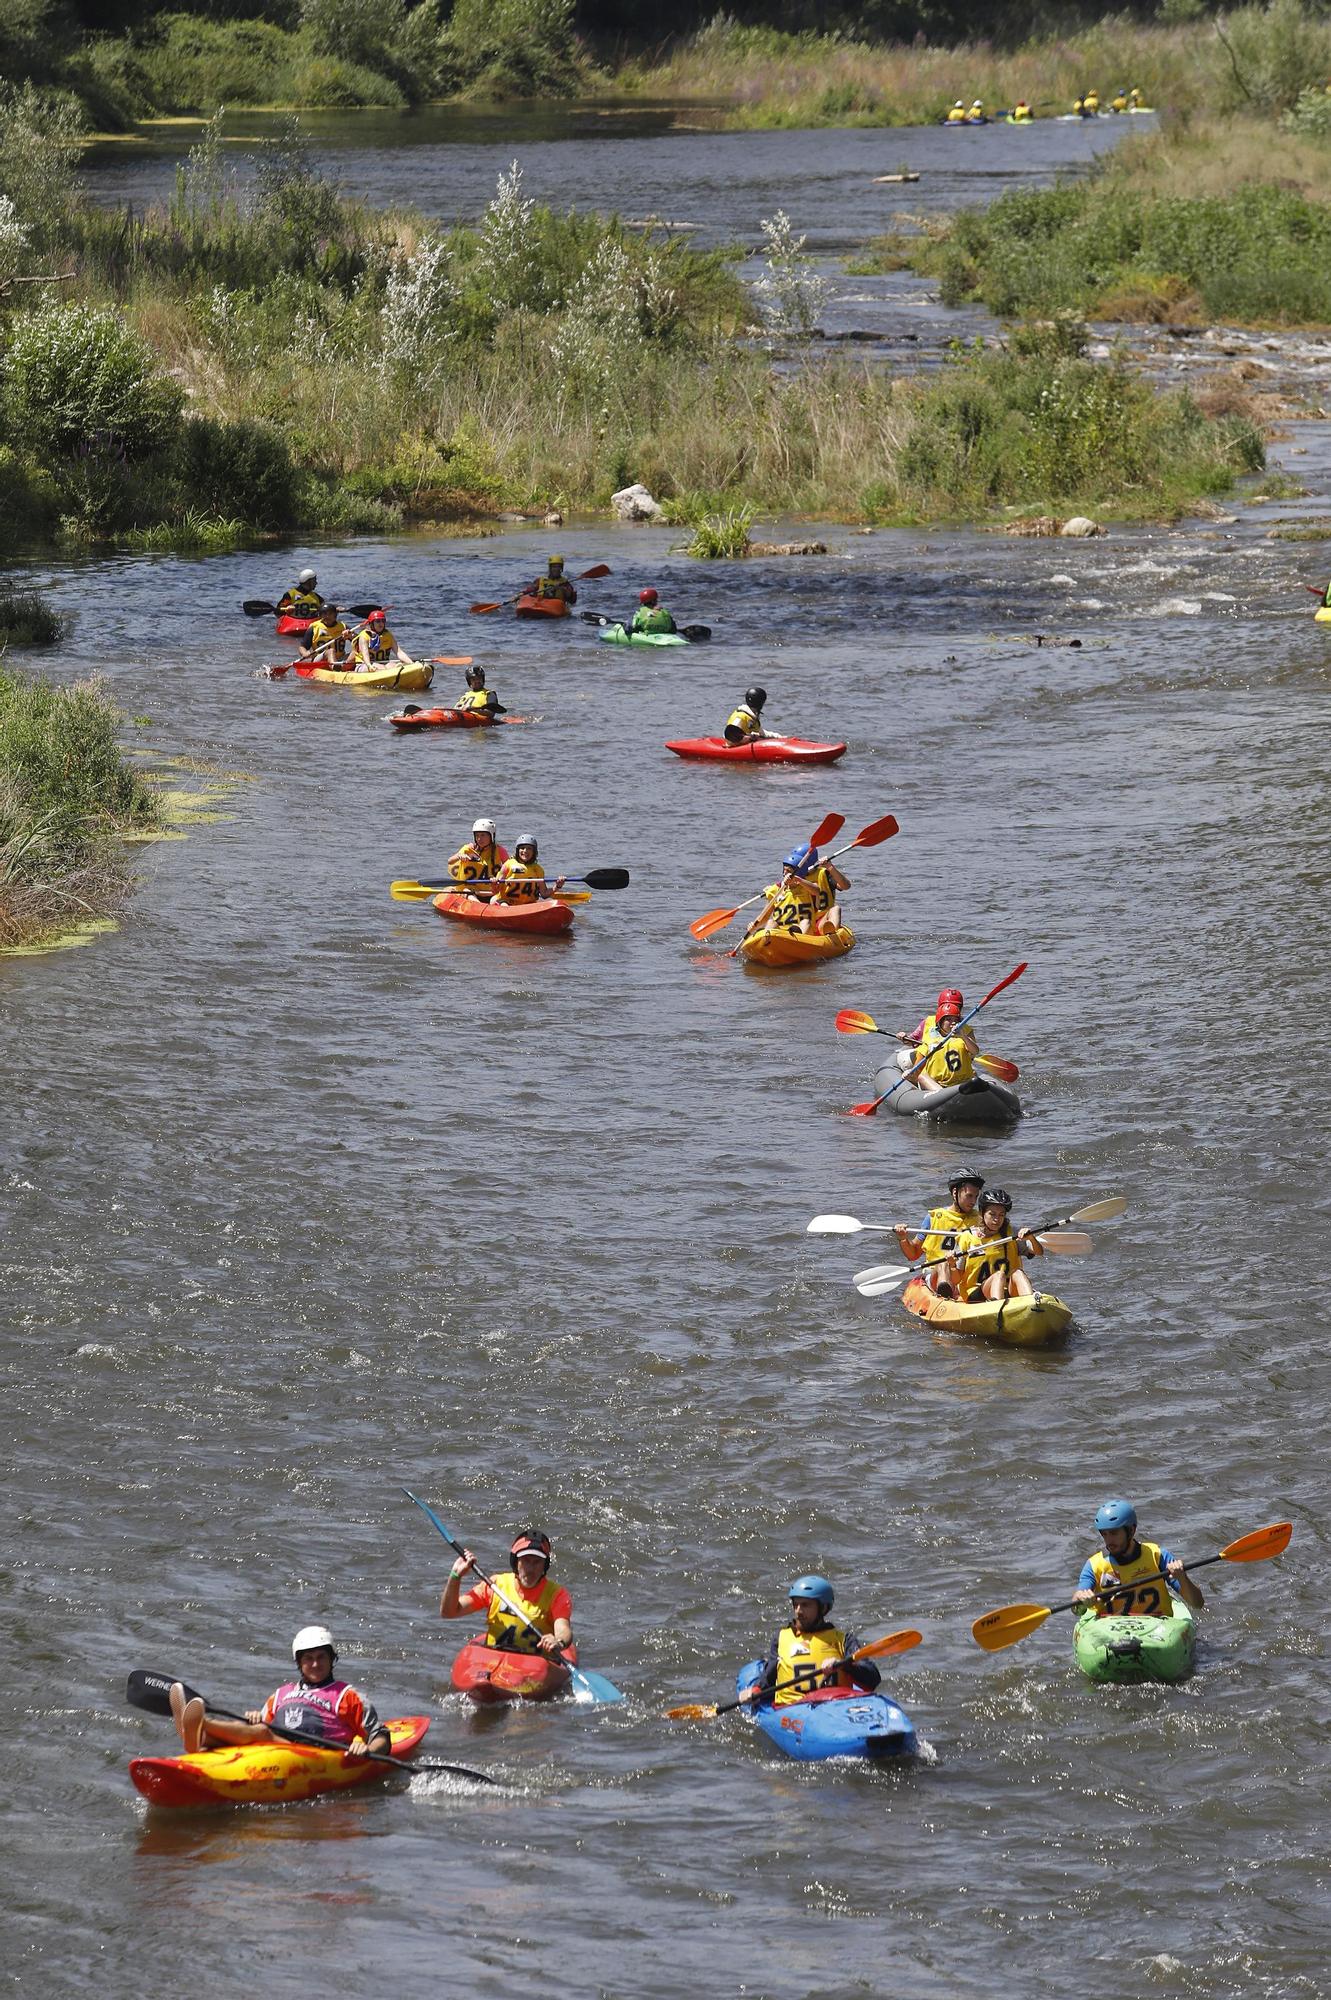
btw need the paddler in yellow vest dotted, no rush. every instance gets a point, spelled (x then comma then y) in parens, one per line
(302, 600)
(1090, 104)
(826, 878)
(1079, 107)
(479, 859)
(1135, 1566)
(1022, 113)
(938, 1233)
(809, 1652)
(987, 1259)
(531, 1591)
(1119, 101)
(329, 641)
(522, 880)
(744, 724)
(479, 699)
(976, 114)
(792, 903)
(377, 647)
(948, 1057)
(957, 115)
(553, 583)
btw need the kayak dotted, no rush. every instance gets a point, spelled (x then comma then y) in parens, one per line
(256, 1774)
(544, 919)
(786, 948)
(1322, 616)
(443, 718)
(372, 680)
(982, 1101)
(1137, 1649)
(488, 1674)
(766, 750)
(541, 607)
(292, 628)
(832, 1722)
(616, 635)
(1020, 1322)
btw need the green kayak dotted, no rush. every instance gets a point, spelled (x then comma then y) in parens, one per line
(1137, 1649)
(615, 635)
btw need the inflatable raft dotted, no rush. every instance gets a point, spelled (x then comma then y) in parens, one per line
(983, 1101)
(1022, 1322)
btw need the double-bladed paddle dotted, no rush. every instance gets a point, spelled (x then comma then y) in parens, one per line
(587, 1686)
(695, 633)
(152, 1691)
(423, 892)
(886, 1277)
(853, 1021)
(597, 569)
(408, 891)
(868, 836)
(1004, 1627)
(868, 1110)
(256, 607)
(703, 1711)
(1070, 1242)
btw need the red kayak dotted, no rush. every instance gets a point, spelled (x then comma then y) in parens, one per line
(541, 607)
(487, 1674)
(444, 718)
(544, 919)
(765, 750)
(292, 628)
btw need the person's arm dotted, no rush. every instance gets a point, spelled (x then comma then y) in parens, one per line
(834, 874)
(911, 1247)
(863, 1672)
(767, 1674)
(561, 1637)
(1029, 1244)
(1178, 1576)
(370, 1733)
(455, 1602)
(763, 914)
(1085, 1591)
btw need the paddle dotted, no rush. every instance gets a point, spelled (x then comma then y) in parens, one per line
(309, 658)
(859, 841)
(852, 1021)
(424, 892)
(703, 1711)
(870, 836)
(595, 878)
(886, 1277)
(868, 1110)
(255, 607)
(695, 633)
(587, 1686)
(151, 1691)
(1004, 1627)
(597, 569)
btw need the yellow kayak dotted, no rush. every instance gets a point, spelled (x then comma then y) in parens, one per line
(1023, 1322)
(411, 678)
(795, 947)
(267, 1773)
(1323, 616)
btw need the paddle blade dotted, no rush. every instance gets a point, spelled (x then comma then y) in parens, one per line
(850, 1021)
(694, 1711)
(875, 1272)
(879, 1287)
(254, 607)
(1066, 1242)
(1261, 1545)
(1101, 1211)
(597, 569)
(997, 1629)
(827, 830)
(411, 892)
(716, 920)
(995, 991)
(588, 1686)
(450, 659)
(697, 633)
(484, 607)
(999, 1066)
(895, 1642)
(833, 1225)
(874, 836)
(607, 878)
(868, 1110)
(145, 1689)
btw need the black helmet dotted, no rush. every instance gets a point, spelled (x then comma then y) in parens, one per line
(755, 697)
(997, 1198)
(967, 1176)
(476, 674)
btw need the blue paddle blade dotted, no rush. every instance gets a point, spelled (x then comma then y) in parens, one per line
(447, 1533)
(594, 1687)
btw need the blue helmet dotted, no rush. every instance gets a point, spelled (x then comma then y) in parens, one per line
(1116, 1514)
(816, 1587)
(803, 859)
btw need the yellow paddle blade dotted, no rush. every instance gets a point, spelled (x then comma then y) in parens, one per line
(410, 892)
(1261, 1545)
(850, 1021)
(1005, 1627)
(693, 1711)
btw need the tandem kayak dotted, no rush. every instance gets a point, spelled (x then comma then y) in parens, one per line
(292, 628)
(544, 919)
(982, 1101)
(786, 948)
(616, 635)
(1137, 1648)
(832, 1722)
(1021, 1322)
(541, 607)
(765, 750)
(443, 718)
(266, 1773)
(416, 674)
(489, 1674)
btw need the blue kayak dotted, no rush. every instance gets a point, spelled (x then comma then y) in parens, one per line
(834, 1722)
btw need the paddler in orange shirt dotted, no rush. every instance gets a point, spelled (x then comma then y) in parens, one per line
(532, 1591)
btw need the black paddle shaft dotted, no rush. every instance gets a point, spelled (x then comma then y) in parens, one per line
(147, 1690)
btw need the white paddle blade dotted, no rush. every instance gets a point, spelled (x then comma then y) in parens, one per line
(1066, 1242)
(873, 1288)
(878, 1273)
(1101, 1211)
(834, 1225)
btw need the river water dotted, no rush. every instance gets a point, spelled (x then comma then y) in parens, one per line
(309, 1196)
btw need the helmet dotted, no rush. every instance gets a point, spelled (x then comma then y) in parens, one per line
(1115, 1514)
(755, 697)
(816, 1587)
(803, 859)
(647, 596)
(965, 1177)
(997, 1198)
(531, 1542)
(307, 576)
(556, 562)
(950, 1001)
(958, 106)
(525, 840)
(330, 609)
(978, 105)
(476, 674)
(378, 618)
(484, 826)
(310, 1638)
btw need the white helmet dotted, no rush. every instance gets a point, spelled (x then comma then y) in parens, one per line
(484, 826)
(310, 1638)
(307, 576)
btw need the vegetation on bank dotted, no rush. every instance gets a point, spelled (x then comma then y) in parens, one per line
(67, 798)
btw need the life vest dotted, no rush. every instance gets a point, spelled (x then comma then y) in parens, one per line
(477, 698)
(300, 604)
(791, 903)
(652, 619)
(1021, 114)
(955, 117)
(1078, 108)
(804, 1657)
(1119, 103)
(942, 1230)
(380, 645)
(470, 865)
(553, 586)
(335, 1712)
(983, 1257)
(336, 638)
(1091, 101)
(1137, 1600)
(949, 1060)
(747, 721)
(524, 882)
(503, 1629)
(824, 890)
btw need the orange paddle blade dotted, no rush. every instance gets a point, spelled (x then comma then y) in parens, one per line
(1261, 1545)
(694, 1711)
(999, 1066)
(895, 1642)
(485, 607)
(874, 836)
(827, 830)
(450, 659)
(708, 926)
(850, 1021)
(597, 569)
(1004, 1627)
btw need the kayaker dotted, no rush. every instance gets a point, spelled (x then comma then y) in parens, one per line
(1135, 98)
(938, 1233)
(744, 724)
(328, 641)
(1022, 113)
(810, 1651)
(975, 116)
(827, 879)
(987, 1264)
(377, 646)
(1119, 101)
(522, 880)
(530, 1588)
(302, 600)
(479, 698)
(948, 1057)
(957, 115)
(553, 583)
(1135, 1565)
(1079, 107)
(651, 615)
(480, 858)
(792, 903)
(1090, 104)
(314, 1702)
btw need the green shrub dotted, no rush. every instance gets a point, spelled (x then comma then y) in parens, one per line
(512, 48)
(190, 63)
(26, 619)
(76, 379)
(721, 535)
(60, 756)
(328, 83)
(1310, 114)
(239, 471)
(41, 137)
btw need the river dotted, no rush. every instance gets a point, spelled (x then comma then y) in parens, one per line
(309, 1196)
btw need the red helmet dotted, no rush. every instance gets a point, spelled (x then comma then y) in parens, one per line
(378, 618)
(647, 596)
(950, 1002)
(532, 1543)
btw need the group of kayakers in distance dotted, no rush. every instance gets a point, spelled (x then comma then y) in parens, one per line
(969, 1244)
(1085, 105)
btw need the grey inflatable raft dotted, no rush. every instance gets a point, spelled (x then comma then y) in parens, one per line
(981, 1102)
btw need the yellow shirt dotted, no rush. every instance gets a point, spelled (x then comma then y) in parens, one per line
(955, 117)
(743, 718)
(299, 603)
(943, 1228)
(983, 1257)
(477, 698)
(380, 645)
(472, 864)
(804, 1657)
(1136, 1599)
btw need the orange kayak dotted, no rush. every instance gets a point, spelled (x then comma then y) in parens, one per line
(444, 718)
(488, 1675)
(544, 919)
(541, 607)
(266, 1773)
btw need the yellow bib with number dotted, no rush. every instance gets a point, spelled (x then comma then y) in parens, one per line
(524, 882)
(503, 1629)
(944, 1227)
(983, 1258)
(804, 1657)
(949, 1060)
(794, 901)
(1135, 1599)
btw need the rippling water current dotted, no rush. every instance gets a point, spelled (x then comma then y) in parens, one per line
(308, 1195)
